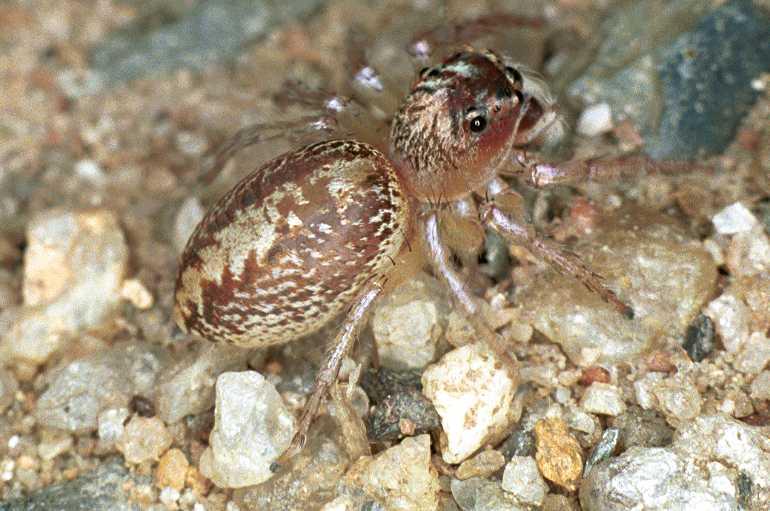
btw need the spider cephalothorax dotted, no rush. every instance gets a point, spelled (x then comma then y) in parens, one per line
(460, 121)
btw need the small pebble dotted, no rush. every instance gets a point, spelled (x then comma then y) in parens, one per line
(409, 323)
(53, 443)
(111, 423)
(74, 265)
(558, 454)
(483, 464)
(603, 399)
(8, 387)
(187, 387)
(144, 439)
(678, 399)
(522, 479)
(478, 494)
(168, 497)
(172, 470)
(189, 215)
(603, 449)
(134, 291)
(595, 120)
(473, 393)
(760, 387)
(731, 320)
(82, 389)
(400, 478)
(90, 171)
(734, 219)
(699, 339)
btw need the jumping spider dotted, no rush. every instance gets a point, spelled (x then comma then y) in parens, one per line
(323, 230)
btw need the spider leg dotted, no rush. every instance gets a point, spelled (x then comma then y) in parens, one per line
(469, 305)
(327, 375)
(562, 260)
(539, 173)
(425, 43)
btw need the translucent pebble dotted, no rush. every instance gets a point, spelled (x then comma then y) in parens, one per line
(400, 478)
(733, 219)
(663, 273)
(143, 439)
(79, 391)
(523, 480)
(595, 120)
(252, 428)
(603, 399)
(409, 323)
(760, 387)
(731, 319)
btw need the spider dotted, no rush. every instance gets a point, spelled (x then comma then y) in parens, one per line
(324, 230)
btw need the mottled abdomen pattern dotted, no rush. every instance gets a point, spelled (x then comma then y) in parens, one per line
(288, 247)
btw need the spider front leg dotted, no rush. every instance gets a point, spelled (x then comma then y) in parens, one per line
(502, 219)
(540, 173)
(469, 305)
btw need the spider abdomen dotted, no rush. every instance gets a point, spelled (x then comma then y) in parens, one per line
(288, 247)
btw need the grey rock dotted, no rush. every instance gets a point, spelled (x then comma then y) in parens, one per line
(522, 479)
(520, 443)
(187, 387)
(210, 31)
(649, 479)
(478, 494)
(714, 463)
(680, 71)
(105, 489)
(79, 391)
(706, 77)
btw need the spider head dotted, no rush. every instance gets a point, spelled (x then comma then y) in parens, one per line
(459, 123)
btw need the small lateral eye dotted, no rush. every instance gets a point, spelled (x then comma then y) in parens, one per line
(433, 73)
(515, 74)
(478, 124)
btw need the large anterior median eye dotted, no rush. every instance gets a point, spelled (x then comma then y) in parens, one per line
(478, 123)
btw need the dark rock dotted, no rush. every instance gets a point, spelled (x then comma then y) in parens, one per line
(681, 72)
(103, 489)
(396, 395)
(520, 443)
(385, 420)
(381, 383)
(210, 31)
(706, 77)
(699, 338)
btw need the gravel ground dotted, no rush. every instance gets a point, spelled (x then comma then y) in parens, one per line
(109, 110)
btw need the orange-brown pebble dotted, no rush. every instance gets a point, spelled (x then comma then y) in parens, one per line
(558, 454)
(172, 470)
(594, 374)
(660, 362)
(199, 485)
